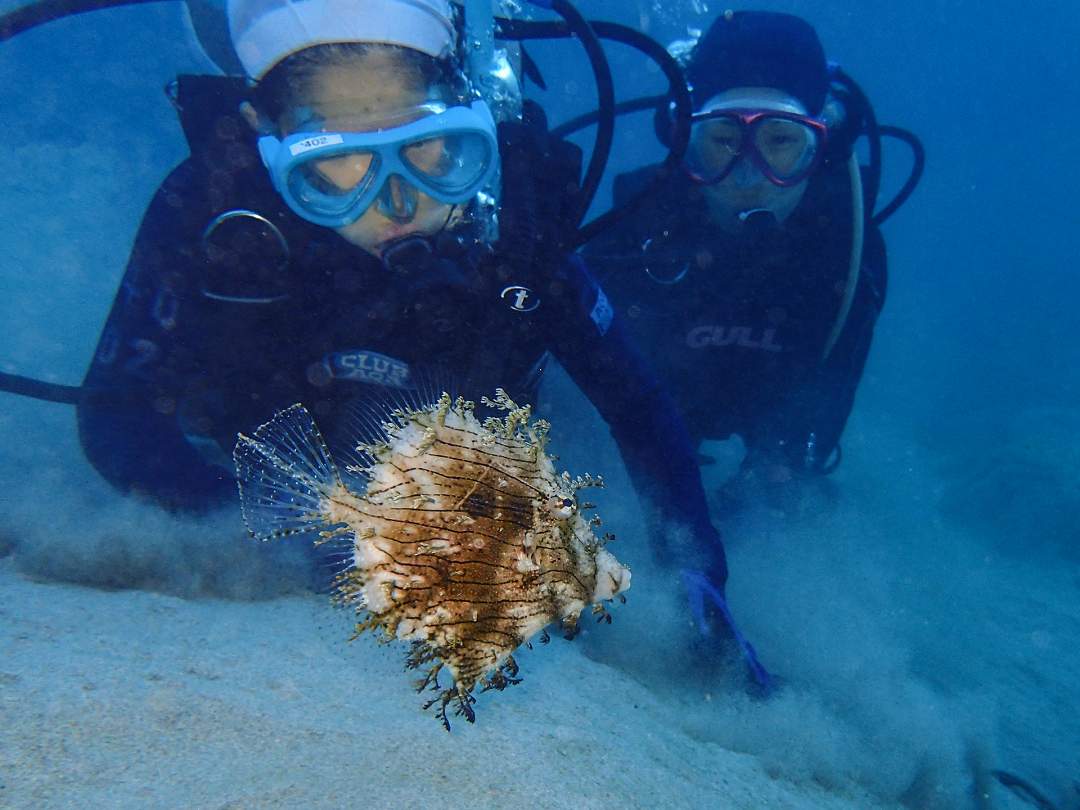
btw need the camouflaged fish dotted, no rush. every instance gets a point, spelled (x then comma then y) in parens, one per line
(464, 541)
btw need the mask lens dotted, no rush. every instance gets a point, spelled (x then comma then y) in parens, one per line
(714, 144)
(338, 175)
(328, 186)
(452, 163)
(788, 147)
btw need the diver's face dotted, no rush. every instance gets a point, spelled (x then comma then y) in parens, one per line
(746, 189)
(362, 94)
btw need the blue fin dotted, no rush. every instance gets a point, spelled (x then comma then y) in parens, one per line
(698, 587)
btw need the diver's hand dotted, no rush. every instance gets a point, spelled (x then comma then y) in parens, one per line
(714, 621)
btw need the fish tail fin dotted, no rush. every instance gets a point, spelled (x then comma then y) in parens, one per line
(286, 477)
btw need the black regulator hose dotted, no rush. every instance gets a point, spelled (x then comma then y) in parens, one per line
(680, 135)
(604, 116)
(622, 108)
(34, 14)
(39, 389)
(918, 154)
(873, 134)
(578, 26)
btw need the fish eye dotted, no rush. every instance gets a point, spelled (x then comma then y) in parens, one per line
(562, 507)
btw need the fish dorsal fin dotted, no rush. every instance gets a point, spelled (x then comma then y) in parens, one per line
(362, 421)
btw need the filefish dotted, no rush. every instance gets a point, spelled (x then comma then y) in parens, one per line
(461, 537)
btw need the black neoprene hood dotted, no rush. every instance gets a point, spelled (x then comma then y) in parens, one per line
(760, 49)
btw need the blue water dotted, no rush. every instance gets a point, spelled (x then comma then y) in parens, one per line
(928, 625)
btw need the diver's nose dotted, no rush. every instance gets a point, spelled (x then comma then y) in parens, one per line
(397, 199)
(746, 174)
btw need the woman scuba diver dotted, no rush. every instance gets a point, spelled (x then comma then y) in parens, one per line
(757, 267)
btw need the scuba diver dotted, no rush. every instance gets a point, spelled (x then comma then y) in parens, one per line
(352, 224)
(758, 268)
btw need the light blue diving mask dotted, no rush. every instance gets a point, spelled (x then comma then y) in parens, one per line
(331, 178)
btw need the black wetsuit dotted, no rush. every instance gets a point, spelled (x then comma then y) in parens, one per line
(739, 334)
(180, 369)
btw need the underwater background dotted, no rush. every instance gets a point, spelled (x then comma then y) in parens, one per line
(927, 621)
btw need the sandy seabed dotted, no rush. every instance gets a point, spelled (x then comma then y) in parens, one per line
(133, 699)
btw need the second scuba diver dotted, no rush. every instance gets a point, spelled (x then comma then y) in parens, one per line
(327, 243)
(753, 280)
